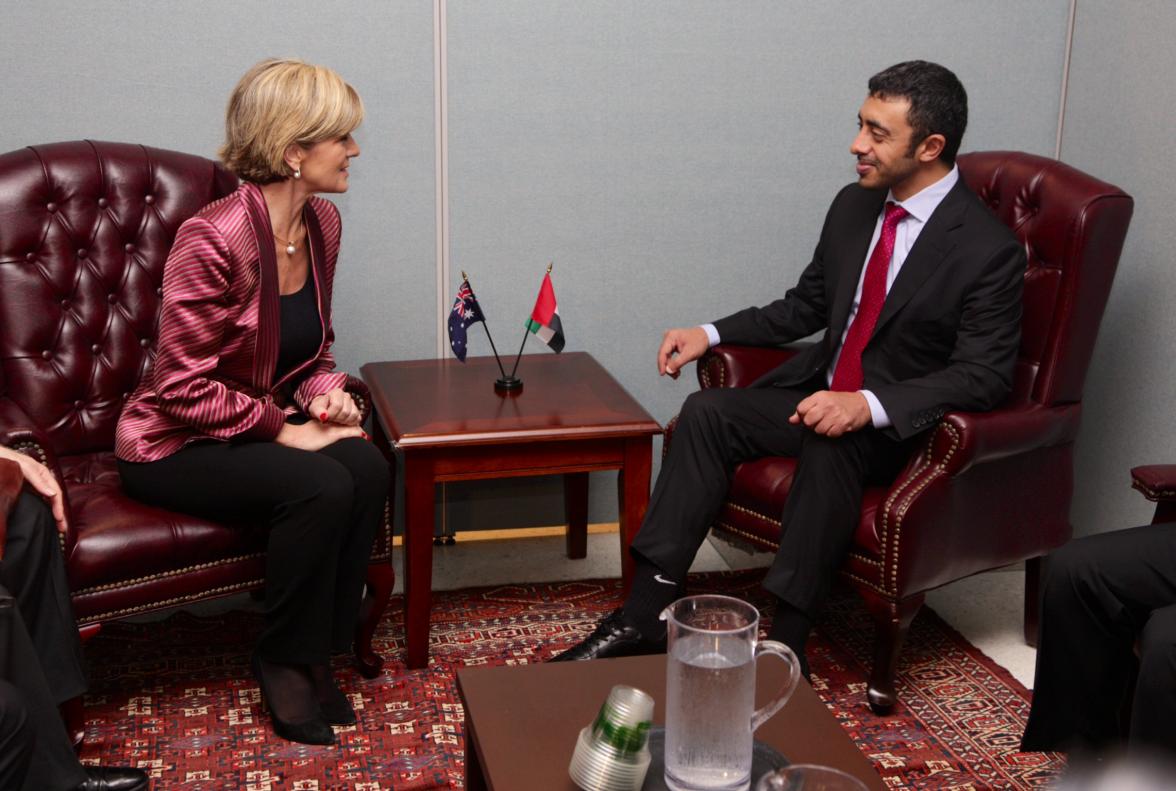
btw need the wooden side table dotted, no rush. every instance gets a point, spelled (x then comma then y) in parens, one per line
(571, 418)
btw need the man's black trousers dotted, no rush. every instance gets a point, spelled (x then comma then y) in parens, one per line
(720, 427)
(40, 654)
(1106, 596)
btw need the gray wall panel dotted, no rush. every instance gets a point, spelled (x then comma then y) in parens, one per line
(1118, 126)
(676, 159)
(160, 73)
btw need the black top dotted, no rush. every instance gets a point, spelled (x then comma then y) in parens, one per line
(301, 329)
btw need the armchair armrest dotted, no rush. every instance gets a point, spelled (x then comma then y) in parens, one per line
(964, 439)
(11, 480)
(361, 395)
(1157, 482)
(732, 365)
(985, 491)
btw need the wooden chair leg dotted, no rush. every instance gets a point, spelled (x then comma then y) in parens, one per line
(380, 580)
(1034, 567)
(892, 621)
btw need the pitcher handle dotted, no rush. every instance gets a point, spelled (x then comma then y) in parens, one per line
(760, 715)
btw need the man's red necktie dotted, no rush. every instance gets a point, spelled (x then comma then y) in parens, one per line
(848, 376)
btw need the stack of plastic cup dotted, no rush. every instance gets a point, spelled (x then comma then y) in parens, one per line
(612, 754)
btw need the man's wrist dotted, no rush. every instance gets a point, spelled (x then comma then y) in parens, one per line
(712, 334)
(878, 416)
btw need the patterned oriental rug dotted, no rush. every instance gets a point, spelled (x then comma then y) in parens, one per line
(176, 697)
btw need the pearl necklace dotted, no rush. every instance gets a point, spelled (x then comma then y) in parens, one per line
(291, 247)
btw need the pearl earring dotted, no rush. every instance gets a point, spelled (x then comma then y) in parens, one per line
(297, 173)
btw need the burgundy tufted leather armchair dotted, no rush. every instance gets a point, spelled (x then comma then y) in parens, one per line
(986, 489)
(85, 228)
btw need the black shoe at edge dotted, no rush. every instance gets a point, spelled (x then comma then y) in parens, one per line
(612, 637)
(113, 778)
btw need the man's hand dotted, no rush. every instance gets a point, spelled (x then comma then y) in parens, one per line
(335, 406)
(678, 347)
(314, 436)
(38, 476)
(832, 413)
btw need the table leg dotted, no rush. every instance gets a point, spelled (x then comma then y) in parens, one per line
(576, 512)
(475, 778)
(418, 557)
(633, 497)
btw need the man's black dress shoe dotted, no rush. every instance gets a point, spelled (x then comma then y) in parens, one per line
(113, 778)
(614, 636)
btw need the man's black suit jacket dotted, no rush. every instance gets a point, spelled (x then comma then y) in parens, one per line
(950, 329)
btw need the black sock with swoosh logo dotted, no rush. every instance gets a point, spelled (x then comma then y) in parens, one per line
(652, 592)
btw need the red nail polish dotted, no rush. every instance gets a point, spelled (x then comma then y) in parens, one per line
(323, 417)
(364, 433)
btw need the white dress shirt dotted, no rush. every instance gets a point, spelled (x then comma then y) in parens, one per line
(919, 207)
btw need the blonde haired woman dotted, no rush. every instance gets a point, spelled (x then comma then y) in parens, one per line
(243, 415)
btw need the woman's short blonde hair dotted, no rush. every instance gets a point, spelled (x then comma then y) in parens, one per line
(279, 102)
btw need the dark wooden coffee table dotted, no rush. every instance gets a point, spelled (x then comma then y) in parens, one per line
(521, 722)
(571, 418)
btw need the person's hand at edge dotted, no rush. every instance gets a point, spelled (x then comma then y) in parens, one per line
(38, 476)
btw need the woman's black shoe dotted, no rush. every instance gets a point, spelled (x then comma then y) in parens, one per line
(312, 731)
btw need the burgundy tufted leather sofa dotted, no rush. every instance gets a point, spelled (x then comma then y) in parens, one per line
(85, 228)
(989, 489)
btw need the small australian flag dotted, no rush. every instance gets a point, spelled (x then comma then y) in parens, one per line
(465, 312)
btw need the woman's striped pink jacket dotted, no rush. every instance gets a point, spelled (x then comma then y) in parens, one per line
(217, 347)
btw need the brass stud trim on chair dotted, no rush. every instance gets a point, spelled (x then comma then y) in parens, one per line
(940, 469)
(162, 575)
(163, 604)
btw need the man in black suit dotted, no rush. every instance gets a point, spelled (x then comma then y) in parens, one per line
(1107, 636)
(917, 289)
(40, 653)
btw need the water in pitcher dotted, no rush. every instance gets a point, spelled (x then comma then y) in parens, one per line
(710, 691)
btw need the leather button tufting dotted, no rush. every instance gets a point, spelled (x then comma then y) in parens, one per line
(130, 248)
(79, 405)
(65, 304)
(102, 203)
(159, 292)
(45, 355)
(82, 253)
(112, 298)
(144, 342)
(52, 207)
(150, 199)
(30, 256)
(95, 348)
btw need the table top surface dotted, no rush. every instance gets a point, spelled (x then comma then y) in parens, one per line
(436, 403)
(526, 718)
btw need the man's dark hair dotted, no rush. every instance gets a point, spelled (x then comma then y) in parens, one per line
(939, 104)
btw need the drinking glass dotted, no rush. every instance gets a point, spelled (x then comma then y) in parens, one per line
(710, 692)
(809, 777)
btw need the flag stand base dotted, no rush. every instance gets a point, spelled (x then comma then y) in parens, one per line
(508, 386)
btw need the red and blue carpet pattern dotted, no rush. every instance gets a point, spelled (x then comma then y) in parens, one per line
(176, 697)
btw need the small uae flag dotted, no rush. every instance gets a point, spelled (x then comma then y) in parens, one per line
(544, 322)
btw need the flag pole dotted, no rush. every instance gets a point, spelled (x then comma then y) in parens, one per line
(485, 326)
(526, 332)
